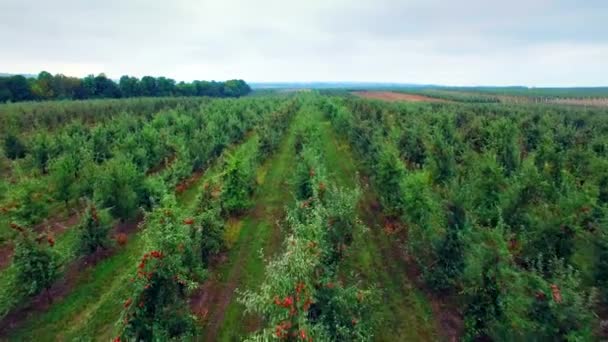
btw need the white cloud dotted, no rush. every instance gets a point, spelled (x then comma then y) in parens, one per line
(542, 42)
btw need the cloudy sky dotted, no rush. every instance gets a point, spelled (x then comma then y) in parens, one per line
(467, 42)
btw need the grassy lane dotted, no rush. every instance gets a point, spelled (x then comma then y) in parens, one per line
(405, 313)
(91, 309)
(245, 265)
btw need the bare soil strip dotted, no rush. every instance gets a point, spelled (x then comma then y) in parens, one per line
(393, 96)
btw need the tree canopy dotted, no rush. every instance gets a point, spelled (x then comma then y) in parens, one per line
(60, 87)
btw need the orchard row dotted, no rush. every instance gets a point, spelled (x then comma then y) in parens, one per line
(505, 207)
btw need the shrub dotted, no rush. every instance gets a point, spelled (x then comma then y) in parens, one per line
(119, 187)
(36, 263)
(94, 227)
(13, 147)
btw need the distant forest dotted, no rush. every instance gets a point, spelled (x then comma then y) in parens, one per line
(59, 87)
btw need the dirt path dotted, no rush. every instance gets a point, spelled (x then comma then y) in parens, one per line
(394, 96)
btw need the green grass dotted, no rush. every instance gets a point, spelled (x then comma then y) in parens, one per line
(246, 265)
(404, 312)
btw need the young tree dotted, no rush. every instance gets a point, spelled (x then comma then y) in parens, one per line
(238, 179)
(31, 200)
(450, 253)
(63, 172)
(157, 308)
(441, 158)
(94, 227)
(35, 261)
(389, 173)
(119, 187)
(13, 147)
(209, 224)
(506, 144)
(41, 151)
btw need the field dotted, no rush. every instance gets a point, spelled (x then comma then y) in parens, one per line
(395, 96)
(592, 97)
(305, 216)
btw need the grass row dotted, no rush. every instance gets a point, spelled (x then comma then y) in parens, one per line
(258, 232)
(405, 311)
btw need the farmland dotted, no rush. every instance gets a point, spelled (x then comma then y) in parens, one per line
(592, 97)
(310, 215)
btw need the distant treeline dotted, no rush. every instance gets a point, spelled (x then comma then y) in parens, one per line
(48, 87)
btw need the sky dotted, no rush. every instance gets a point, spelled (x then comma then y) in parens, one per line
(466, 42)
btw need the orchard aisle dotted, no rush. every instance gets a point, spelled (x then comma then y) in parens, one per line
(375, 257)
(216, 303)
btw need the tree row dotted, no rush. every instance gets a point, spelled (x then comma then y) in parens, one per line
(58, 87)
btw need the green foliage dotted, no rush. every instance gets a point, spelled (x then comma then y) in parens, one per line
(48, 87)
(272, 128)
(30, 202)
(158, 306)
(64, 172)
(450, 252)
(35, 261)
(211, 228)
(419, 201)
(411, 145)
(504, 206)
(118, 187)
(389, 172)
(441, 159)
(42, 151)
(13, 147)
(239, 179)
(154, 189)
(562, 308)
(506, 144)
(601, 267)
(509, 205)
(484, 188)
(301, 295)
(94, 227)
(126, 155)
(208, 222)
(422, 212)
(487, 268)
(14, 88)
